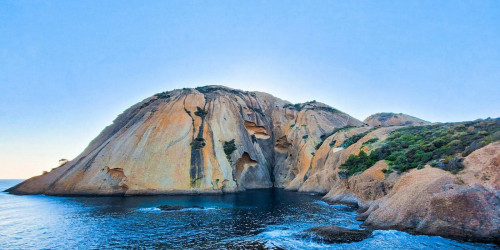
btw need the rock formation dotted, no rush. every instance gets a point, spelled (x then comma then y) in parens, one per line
(215, 139)
(392, 119)
(203, 140)
(335, 234)
(433, 201)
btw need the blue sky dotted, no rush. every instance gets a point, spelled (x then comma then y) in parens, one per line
(68, 68)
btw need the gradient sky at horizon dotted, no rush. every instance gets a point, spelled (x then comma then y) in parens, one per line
(68, 68)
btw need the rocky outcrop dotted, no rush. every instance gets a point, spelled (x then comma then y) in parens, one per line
(433, 201)
(428, 201)
(210, 139)
(323, 176)
(393, 119)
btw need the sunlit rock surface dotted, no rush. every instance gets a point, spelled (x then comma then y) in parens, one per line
(173, 142)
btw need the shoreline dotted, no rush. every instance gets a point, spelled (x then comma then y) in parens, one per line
(355, 207)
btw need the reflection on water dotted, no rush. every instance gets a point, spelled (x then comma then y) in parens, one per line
(270, 218)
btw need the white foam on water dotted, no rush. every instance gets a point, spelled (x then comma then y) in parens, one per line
(149, 210)
(199, 209)
(331, 205)
(157, 210)
(288, 237)
(277, 233)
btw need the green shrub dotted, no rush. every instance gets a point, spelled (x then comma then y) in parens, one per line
(298, 106)
(229, 148)
(355, 138)
(372, 140)
(162, 95)
(305, 137)
(201, 112)
(356, 164)
(388, 170)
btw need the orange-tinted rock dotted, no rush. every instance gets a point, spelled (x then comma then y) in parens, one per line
(173, 142)
(433, 201)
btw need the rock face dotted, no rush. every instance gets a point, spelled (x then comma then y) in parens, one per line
(206, 140)
(392, 119)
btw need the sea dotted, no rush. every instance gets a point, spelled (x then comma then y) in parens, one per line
(255, 219)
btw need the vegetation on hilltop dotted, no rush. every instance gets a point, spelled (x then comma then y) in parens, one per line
(300, 106)
(163, 95)
(441, 145)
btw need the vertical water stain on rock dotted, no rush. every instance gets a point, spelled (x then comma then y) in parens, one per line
(197, 145)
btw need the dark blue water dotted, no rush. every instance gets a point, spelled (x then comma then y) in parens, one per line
(253, 219)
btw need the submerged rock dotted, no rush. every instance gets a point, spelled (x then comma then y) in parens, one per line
(335, 234)
(176, 207)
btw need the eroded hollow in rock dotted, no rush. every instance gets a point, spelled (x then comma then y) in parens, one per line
(118, 178)
(282, 145)
(242, 164)
(116, 173)
(259, 131)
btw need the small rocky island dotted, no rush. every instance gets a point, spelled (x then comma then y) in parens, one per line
(399, 171)
(335, 234)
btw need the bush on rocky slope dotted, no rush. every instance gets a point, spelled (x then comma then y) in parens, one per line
(325, 136)
(355, 138)
(413, 147)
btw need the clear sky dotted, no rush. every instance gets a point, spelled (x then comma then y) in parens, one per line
(68, 68)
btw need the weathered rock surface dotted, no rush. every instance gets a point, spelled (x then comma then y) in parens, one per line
(433, 201)
(173, 142)
(392, 119)
(429, 201)
(323, 177)
(335, 234)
